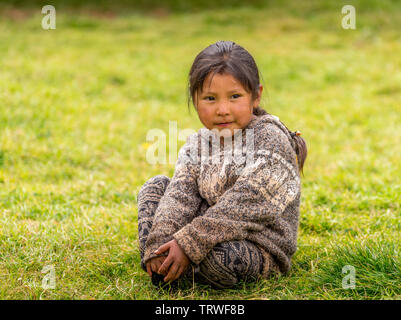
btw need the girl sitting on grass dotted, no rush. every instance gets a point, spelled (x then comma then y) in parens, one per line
(227, 220)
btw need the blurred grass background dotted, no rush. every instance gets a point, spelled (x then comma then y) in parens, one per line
(76, 104)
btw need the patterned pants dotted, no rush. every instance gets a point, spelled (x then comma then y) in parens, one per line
(223, 266)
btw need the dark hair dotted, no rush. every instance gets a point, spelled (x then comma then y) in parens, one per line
(228, 57)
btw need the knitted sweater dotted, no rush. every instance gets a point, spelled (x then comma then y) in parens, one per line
(256, 200)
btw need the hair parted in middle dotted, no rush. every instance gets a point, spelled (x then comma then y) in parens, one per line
(224, 57)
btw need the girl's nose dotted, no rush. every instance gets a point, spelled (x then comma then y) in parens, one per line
(223, 109)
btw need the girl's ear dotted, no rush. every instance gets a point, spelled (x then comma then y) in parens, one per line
(259, 97)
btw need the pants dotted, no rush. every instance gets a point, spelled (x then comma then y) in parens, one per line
(226, 264)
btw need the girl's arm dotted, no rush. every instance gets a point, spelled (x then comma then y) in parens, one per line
(179, 203)
(255, 207)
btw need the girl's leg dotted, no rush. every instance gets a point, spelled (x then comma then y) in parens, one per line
(230, 261)
(148, 200)
(224, 265)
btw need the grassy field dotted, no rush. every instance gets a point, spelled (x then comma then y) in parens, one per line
(76, 104)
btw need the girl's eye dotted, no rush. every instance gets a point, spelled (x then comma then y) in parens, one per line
(207, 98)
(236, 95)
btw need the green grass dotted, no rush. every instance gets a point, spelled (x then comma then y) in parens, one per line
(76, 104)
(377, 265)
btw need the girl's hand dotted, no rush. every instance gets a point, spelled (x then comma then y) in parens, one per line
(154, 264)
(176, 261)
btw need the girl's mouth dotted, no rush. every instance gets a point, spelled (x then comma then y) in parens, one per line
(224, 124)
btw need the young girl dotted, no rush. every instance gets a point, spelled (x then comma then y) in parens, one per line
(227, 220)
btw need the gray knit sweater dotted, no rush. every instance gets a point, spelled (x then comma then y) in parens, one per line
(256, 200)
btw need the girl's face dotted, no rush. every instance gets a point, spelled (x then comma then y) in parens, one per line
(225, 104)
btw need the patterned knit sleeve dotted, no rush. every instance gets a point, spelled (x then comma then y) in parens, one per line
(253, 207)
(180, 201)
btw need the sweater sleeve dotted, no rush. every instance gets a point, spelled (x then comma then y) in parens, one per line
(255, 201)
(179, 203)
